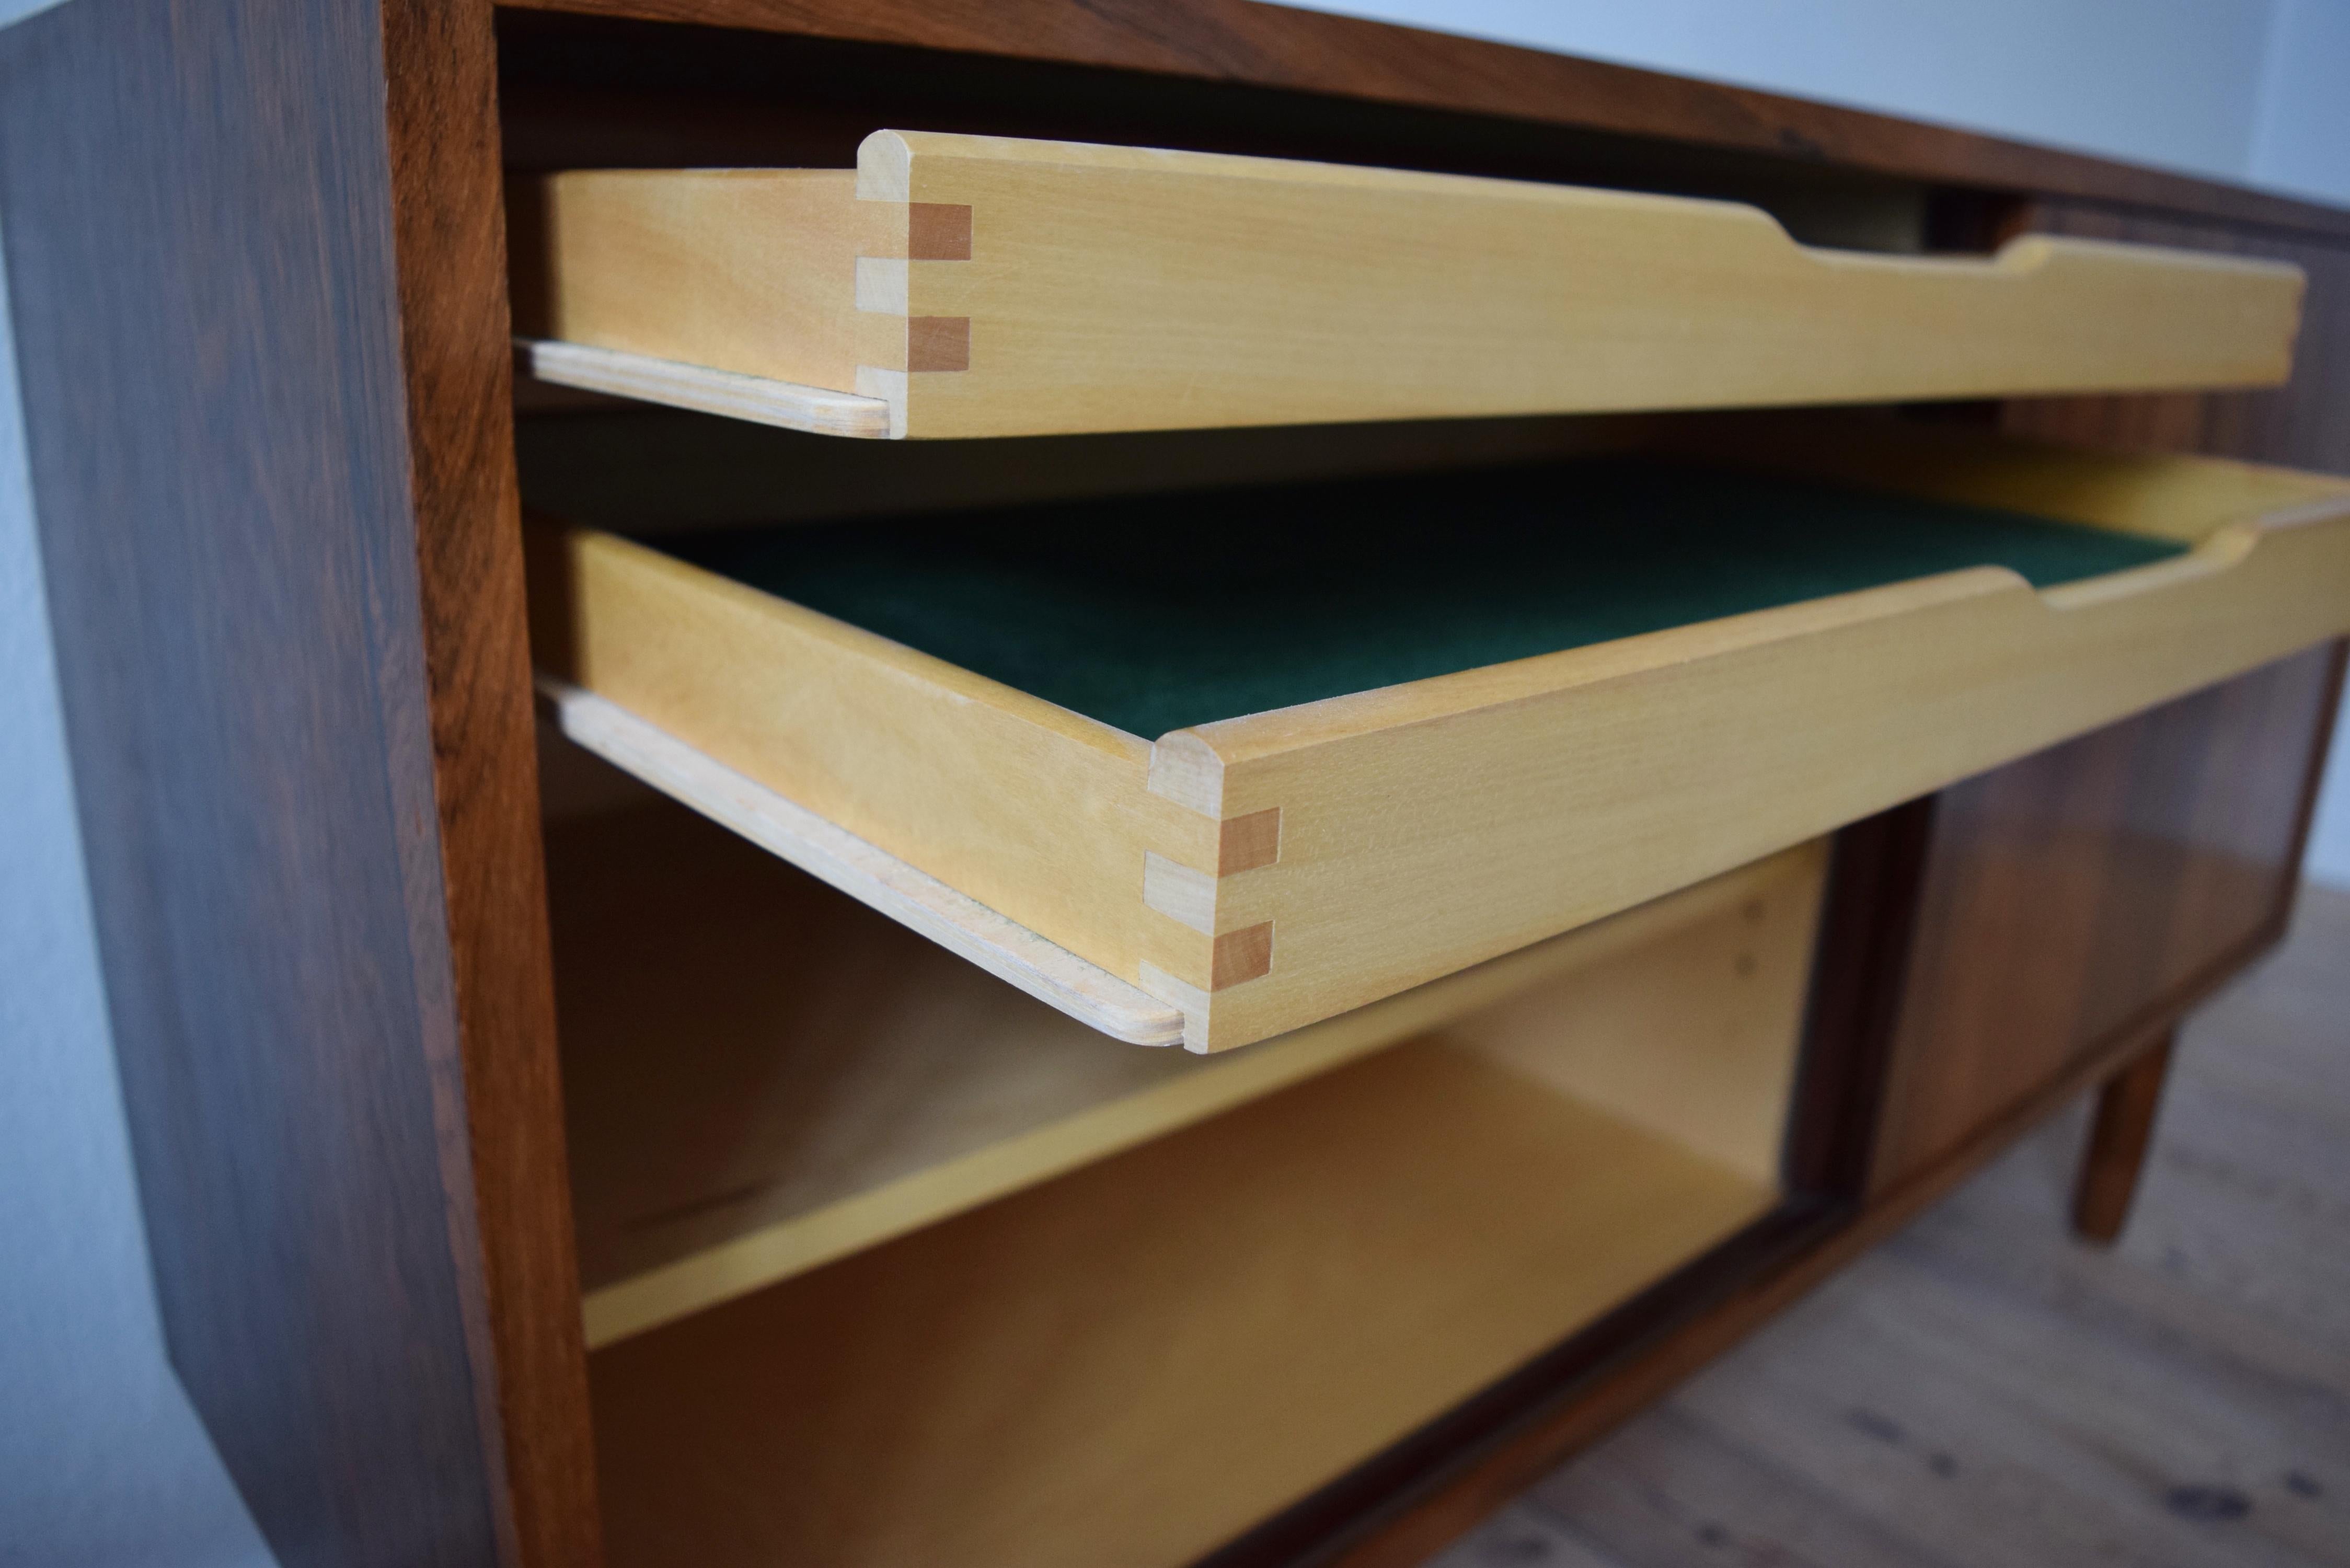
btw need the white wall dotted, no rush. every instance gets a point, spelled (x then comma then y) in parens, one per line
(101, 1461)
(2301, 133)
(2301, 141)
(2158, 81)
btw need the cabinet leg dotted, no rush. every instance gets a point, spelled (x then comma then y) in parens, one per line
(2117, 1153)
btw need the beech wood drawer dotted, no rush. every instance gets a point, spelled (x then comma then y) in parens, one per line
(1434, 787)
(888, 1264)
(965, 285)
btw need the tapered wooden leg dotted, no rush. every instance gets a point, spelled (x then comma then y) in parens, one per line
(2117, 1153)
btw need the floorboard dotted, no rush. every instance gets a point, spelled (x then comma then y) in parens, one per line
(1987, 1390)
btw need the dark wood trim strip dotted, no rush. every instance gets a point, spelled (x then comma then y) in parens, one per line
(1275, 47)
(1863, 954)
(448, 213)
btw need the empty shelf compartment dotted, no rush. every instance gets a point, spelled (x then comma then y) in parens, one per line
(990, 1290)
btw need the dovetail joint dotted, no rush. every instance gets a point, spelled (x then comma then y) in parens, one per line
(1241, 955)
(1246, 843)
(938, 231)
(898, 339)
(1189, 897)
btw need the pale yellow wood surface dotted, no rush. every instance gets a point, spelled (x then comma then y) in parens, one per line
(1123, 1368)
(788, 405)
(1430, 826)
(762, 1077)
(740, 270)
(1123, 288)
(1694, 1034)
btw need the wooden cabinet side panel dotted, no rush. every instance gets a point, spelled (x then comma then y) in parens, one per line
(199, 262)
(2085, 892)
(449, 250)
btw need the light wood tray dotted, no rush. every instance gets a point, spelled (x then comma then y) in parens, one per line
(1257, 874)
(969, 285)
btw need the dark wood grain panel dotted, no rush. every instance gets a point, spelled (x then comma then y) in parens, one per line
(2079, 896)
(447, 215)
(1271, 45)
(2304, 424)
(200, 258)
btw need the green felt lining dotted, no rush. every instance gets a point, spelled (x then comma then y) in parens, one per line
(1157, 612)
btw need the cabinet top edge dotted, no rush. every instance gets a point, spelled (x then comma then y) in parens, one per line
(1236, 42)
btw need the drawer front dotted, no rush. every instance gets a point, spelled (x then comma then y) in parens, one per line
(969, 285)
(1260, 873)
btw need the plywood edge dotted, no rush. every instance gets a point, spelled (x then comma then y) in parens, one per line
(780, 1250)
(957, 922)
(786, 405)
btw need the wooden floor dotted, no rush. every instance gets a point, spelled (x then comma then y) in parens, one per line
(1986, 1392)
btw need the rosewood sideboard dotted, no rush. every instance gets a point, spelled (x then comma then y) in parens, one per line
(538, 1172)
